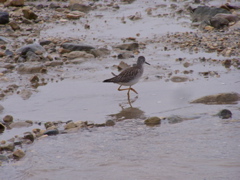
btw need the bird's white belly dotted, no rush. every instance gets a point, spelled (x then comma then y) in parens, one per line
(130, 83)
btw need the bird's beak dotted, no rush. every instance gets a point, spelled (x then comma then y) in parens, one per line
(147, 63)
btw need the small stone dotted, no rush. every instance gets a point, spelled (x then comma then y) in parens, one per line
(4, 17)
(51, 132)
(54, 63)
(48, 124)
(225, 114)
(110, 123)
(29, 121)
(78, 54)
(209, 28)
(2, 128)
(8, 119)
(14, 3)
(14, 25)
(45, 42)
(25, 94)
(38, 132)
(29, 14)
(34, 79)
(7, 147)
(101, 52)
(18, 154)
(10, 54)
(128, 47)
(80, 124)
(4, 40)
(174, 119)
(122, 65)
(19, 125)
(86, 26)
(3, 158)
(75, 15)
(1, 107)
(29, 136)
(35, 47)
(79, 7)
(178, 79)
(54, 6)
(152, 121)
(30, 69)
(186, 64)
(70, 125)
(76, 47)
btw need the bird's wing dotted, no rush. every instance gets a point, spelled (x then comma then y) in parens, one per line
(127, 74)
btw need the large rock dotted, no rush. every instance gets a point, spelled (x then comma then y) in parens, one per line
(221, 20)
(203, 13)
(4, 17)
(76, 47)
(223, 98)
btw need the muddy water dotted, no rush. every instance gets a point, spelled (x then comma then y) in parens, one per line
(203, 146)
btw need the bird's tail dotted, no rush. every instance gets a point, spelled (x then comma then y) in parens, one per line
(108, 80)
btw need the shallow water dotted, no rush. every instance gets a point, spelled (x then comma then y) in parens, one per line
(202, 147)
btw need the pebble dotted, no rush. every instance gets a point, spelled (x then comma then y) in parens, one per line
(29, 136)
(110, 123)
(51, 132)
(225, 114)
(8, 119)
(70, 125)
(2, 128)
(4, 17)
(18, 154)
(152, 121)
(7, 147)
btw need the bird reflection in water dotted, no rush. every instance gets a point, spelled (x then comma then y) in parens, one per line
(128, 113)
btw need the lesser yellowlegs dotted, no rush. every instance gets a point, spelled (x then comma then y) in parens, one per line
(129, 76)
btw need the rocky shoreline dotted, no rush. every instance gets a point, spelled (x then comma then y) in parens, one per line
(27, 62)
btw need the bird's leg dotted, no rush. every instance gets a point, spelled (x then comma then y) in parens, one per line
(133, 90)
(128, 94)
(129, 102)
(122, 89)
(130, 88)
